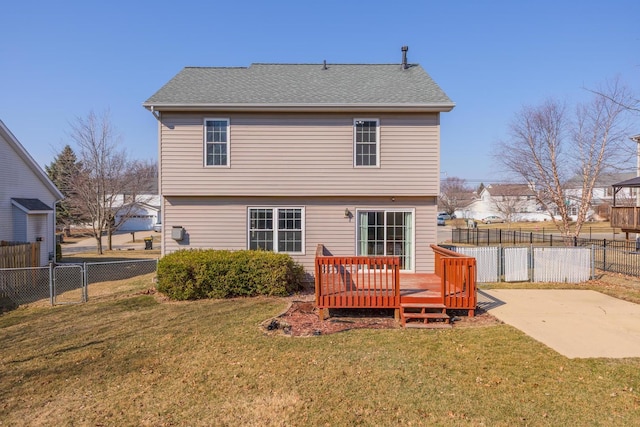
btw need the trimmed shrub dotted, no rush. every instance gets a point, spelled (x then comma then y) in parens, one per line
(208, 273)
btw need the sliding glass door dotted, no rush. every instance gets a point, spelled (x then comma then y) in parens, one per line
(386, 232)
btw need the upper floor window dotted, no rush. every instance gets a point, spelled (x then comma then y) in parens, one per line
(216, 142)
(366, 138)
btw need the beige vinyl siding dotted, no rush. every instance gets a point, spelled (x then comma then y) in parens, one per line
(221, 223)
(301, 154)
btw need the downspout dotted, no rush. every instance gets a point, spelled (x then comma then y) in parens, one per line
(55, 241)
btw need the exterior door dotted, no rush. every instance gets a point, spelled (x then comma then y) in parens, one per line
(387, 233)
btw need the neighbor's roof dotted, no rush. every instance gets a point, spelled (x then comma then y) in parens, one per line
(302, 86)
(509, 190)
(31, 205)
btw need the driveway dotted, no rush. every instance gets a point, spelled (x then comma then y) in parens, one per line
(121, 240)
(575, 323)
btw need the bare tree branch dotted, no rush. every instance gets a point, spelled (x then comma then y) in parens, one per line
(548, 147)
(105, 176)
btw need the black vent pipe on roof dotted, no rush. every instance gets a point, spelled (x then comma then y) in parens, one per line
(324, 65)
(404, 57)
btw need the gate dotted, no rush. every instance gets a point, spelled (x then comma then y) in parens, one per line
(69, 285)
(516, 264)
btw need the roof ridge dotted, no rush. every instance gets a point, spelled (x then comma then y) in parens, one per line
(221, 68)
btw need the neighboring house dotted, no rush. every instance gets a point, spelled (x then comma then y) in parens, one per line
(513, 202)
(27, 198)
(284, 157)
(141, 215)
(602, 194)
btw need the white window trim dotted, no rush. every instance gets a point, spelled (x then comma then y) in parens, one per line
(385, 210)
(353, 129)
(204, 140)
(275, 227)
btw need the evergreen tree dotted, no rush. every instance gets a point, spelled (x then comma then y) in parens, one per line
(63, 171)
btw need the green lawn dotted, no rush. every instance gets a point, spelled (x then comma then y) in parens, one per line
(136, 359)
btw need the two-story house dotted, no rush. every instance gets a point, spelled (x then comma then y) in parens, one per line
(284, 157)
(512, 202)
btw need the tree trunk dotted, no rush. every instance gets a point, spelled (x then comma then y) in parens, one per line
(99, 244)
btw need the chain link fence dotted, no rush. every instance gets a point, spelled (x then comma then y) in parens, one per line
(66, 283)
(24, 285)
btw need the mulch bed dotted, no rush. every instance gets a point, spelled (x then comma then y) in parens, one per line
(301, 320)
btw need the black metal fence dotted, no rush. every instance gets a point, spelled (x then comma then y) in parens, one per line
(617, 256)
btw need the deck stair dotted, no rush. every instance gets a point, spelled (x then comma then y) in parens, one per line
(424, 315)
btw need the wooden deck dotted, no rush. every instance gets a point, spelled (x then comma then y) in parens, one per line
(376, 282)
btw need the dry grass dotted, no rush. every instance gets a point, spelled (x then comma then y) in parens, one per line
(131, 358)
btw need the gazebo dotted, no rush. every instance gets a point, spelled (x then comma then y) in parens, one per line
(626, 218)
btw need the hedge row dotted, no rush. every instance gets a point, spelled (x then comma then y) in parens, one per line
(196, 274)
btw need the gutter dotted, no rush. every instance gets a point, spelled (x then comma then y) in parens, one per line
(397, 107)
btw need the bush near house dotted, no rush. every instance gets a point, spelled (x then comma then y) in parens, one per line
(197, 274)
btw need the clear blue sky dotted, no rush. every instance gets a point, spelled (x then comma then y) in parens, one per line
(59, 60)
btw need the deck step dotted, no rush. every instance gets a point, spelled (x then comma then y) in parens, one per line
(435, 316)
(439, 325)
(424, 315)
(421, 305)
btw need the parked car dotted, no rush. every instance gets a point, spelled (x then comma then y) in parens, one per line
(492, 219)
(445, 215)
(441, 220)
(157, 228)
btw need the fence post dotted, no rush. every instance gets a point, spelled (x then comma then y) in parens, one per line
(85, 279)
(550, 239)
(531, 237)
(593, 262)
(530, 268)
(575, 241)
(51, 283)
(604, 255)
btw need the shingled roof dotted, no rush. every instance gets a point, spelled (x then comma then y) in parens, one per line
(302, 85)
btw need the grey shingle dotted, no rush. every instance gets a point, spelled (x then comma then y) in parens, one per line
(302, 84)
(32, 204)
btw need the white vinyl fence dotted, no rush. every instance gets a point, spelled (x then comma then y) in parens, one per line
(487, 262)
(571, 265)
(521, 264)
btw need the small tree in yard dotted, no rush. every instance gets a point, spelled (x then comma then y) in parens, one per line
(548, 145)
(105, 176)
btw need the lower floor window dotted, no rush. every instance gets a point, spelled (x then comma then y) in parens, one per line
(276, 229)
(386, 233)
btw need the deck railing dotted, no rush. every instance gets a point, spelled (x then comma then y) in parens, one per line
(357, 281)
(457, 274)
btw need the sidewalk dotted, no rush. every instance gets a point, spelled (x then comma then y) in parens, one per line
(122, 240)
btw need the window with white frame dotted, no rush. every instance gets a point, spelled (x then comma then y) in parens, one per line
(276, 229)
(366, 136)
(216, 142)
(386, 232)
